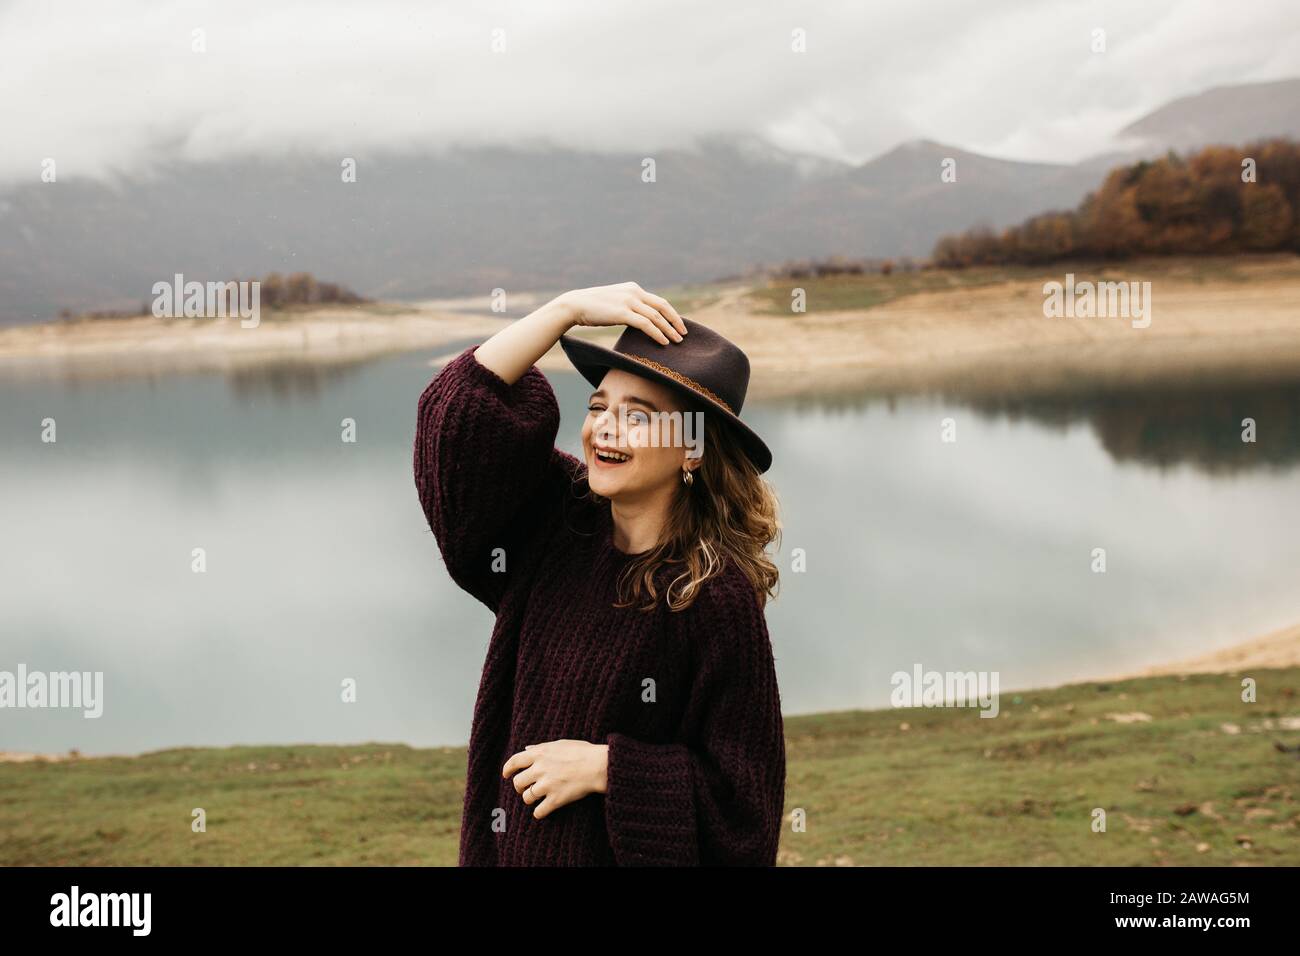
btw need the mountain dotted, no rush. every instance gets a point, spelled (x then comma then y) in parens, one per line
(468, 220)
(463, 221)
(1226, 115)
(898, 204)
(459, 222)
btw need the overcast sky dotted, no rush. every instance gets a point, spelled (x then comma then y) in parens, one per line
(114, 87)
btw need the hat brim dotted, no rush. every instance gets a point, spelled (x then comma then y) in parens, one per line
(592, 361)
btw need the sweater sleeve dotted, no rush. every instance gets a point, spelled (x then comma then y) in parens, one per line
(486, 469)
(715, 799)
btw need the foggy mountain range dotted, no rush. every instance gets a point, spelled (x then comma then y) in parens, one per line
(466, 220)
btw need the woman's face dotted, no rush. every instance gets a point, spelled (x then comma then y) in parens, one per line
(631, 445)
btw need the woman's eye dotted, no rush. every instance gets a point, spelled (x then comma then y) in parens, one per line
(595, 408)
(638, 418)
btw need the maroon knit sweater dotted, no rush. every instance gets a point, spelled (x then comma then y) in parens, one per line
(687, 701)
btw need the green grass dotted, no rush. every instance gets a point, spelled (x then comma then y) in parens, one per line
(958, 789)
(951, 789)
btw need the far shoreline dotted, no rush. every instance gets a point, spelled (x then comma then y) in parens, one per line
(97, 349)
(978, 332)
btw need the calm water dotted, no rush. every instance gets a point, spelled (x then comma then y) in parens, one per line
(969, 555)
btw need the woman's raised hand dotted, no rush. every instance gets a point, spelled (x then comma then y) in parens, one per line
(625, 304)
(510, 352)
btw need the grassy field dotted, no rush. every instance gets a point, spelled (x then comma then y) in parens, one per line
(1206, 780)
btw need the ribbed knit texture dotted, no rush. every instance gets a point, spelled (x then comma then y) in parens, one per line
(696, 771)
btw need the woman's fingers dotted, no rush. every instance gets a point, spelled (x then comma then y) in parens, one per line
(517, 762)
(552, 801)
(666, 308)
(626, 303)
(548, 804)
(664, 326)
(639, 321)
(526, 778)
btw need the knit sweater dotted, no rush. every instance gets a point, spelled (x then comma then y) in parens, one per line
(686, 700)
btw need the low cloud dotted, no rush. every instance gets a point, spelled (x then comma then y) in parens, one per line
(115, 89)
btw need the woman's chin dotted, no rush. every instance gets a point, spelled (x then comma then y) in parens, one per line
(602, 485)
(605, 481)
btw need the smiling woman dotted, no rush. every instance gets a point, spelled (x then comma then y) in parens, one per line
(625, 443)
(629, 696)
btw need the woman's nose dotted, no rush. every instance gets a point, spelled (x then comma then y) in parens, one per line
(605, 425)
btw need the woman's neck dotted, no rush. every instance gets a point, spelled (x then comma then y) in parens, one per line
(638, 524)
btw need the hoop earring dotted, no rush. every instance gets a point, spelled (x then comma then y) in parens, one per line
(688, 478)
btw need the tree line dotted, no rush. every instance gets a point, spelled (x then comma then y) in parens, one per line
(1220, 200)
(303, 288)
(277, 292)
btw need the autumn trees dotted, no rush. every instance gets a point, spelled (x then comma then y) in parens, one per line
(1219, 200)
(303, 288)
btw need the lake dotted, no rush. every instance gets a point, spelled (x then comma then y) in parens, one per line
(975, 554)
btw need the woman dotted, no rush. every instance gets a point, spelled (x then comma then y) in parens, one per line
(628, 711)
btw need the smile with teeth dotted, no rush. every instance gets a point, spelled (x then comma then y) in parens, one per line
(611, 457)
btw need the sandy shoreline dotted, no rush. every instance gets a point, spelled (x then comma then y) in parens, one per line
(1226, 321)
(994, 339)
(143, 345)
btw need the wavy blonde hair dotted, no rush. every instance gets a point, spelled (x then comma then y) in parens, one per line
(728, 512)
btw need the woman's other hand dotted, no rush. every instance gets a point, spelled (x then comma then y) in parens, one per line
(559, 772)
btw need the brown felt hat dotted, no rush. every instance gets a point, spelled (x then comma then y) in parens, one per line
(704, 367)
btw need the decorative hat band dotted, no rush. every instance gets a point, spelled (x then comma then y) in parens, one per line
(673, 373)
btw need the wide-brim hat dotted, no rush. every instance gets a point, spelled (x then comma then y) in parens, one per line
(704, 367)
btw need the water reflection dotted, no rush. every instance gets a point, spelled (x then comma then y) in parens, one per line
(287, 381)
(246, 375)
(1173, 427)
(1157, 426)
